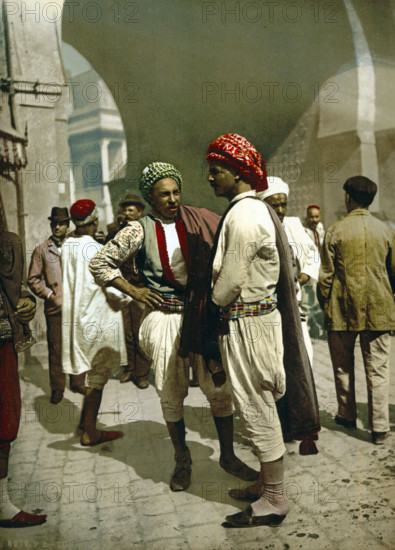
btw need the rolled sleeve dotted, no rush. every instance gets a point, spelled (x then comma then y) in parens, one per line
(105, 265)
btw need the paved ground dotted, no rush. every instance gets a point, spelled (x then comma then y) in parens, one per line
(116, 496)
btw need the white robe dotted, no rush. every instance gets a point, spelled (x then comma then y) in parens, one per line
(308, 261)
(92, 332)
(303, 249)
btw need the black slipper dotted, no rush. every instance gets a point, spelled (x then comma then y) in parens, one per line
(246, 519)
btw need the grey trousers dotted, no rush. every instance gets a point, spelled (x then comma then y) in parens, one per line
(375, 347)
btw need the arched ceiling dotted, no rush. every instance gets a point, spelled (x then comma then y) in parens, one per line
(184, 72)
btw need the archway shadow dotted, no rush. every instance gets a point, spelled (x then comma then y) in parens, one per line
(56, 419)
(34, 373)
(200, 419)
(146, 448)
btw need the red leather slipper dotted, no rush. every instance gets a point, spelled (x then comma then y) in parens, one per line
(23, 519)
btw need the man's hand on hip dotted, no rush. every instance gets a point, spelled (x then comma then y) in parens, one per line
(141, 294)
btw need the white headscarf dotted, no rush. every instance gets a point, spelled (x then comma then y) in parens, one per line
(275, 186)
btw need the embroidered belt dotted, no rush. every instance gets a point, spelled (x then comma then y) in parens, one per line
(251, 309)
(5, 330)
(171, 303)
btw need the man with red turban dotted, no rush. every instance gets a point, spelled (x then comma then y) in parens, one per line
(253, 289)
(245, 272)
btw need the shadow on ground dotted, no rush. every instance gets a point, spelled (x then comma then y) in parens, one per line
(136, 450)
(328, 421)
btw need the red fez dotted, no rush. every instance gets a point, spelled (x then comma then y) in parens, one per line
(83, 212)
(239, 153)
(313, 206)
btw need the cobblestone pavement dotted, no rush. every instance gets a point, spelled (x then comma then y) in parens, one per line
(117, 496)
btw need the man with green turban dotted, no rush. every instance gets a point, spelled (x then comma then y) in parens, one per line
(172, 246)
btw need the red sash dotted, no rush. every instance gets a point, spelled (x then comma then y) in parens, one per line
(163, 254)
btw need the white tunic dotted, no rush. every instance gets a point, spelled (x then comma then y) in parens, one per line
(303, 250)
(246, 264)
(92, 332)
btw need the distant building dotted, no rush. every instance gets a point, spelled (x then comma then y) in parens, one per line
(97, 142)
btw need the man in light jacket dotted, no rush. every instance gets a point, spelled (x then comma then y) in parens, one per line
(355, 290)
(45, 281)
(245, 273)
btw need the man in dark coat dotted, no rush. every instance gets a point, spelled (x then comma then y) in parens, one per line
(17, 308)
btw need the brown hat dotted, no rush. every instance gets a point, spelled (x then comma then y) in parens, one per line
(59, 214)
(130, 198)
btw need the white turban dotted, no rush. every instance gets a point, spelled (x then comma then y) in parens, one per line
(275, 186)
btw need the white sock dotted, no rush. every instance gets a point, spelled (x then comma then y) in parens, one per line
(272, 501)
(7, 509)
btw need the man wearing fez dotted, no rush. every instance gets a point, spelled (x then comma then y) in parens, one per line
(17, 308)
(92, 328)
(355, 290)
(138, 365)
(252, 282)
(172, 248)
(45, 281)
(313, 225)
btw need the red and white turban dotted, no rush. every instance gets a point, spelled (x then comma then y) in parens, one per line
(239, 153)
(83, 212)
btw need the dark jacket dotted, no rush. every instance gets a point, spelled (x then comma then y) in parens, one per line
(201, 225)
(11, 288)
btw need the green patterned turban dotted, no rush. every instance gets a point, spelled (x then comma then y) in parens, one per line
(158, 171)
